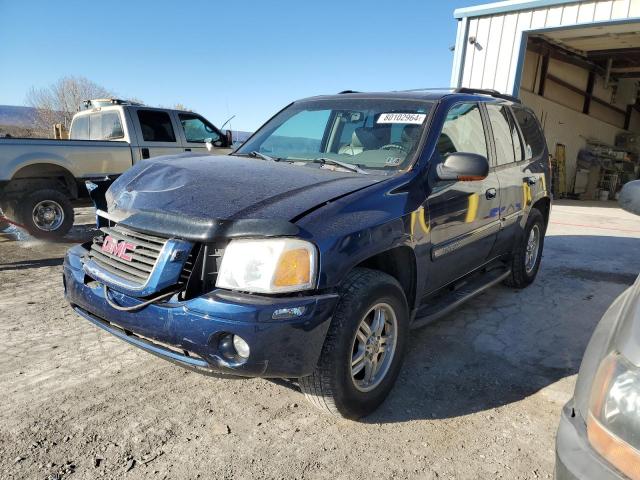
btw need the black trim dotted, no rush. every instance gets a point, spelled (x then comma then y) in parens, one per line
(207, 230)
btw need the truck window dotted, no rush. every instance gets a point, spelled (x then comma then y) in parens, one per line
(197, 130)
(156, 126)
(463, 131)
(533, 138)
(111, 126)
(505, 134)
(80, 128)
(95, 126)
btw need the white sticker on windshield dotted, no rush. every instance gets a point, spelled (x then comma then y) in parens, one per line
(415, 118)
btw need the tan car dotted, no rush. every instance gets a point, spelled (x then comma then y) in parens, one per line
(41, 178)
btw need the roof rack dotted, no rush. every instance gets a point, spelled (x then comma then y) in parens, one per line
(348, 91)
(104, 102)
(486, 91)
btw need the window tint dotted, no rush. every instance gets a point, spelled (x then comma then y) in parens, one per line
(196, 130)
(80, 128)
(463, 131)
(505, 134)
(111, 126)
(534, 142)
(156, 126)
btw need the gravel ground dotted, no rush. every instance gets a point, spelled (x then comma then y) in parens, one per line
(479, 395)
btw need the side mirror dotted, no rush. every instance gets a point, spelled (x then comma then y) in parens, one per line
(229, 136)
(464, 167)
(630, 197)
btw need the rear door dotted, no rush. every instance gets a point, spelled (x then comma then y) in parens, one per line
(513, 158)
(463, 214)
(197, 131)
(156, 132)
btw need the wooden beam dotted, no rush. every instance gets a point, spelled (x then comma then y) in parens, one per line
(627, 117)
(544, 71)
(589, 93)
(573, 88)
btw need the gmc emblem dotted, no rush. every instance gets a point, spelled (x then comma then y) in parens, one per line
(119, 249)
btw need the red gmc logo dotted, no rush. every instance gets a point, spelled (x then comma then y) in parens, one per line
(119, 249)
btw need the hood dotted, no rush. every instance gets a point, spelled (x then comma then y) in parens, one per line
(200, 189)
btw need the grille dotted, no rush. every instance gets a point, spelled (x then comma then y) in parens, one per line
(143, 257)
(201, 269)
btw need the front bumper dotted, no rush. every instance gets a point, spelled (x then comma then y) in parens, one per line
(575, 459)
(188, 333)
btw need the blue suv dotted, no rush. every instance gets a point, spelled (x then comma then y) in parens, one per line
(313, 249)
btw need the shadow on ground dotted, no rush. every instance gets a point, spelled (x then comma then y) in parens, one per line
(506, 344)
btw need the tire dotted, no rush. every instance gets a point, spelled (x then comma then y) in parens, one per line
(523, 272)
(50, 199)
(332, 386)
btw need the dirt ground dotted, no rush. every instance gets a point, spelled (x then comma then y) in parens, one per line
(479, 395)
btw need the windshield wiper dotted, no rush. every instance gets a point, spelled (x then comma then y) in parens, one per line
(348, 166)
(256, 154)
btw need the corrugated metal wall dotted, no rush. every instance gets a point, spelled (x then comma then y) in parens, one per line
(493, 60)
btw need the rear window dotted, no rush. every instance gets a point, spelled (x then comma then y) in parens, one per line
(156, 126)
(80, 128)
(97, 126)
(534, 142)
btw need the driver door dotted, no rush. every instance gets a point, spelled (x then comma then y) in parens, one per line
(195, 130)
(464, 215)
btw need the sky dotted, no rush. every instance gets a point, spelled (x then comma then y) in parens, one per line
(242, 58)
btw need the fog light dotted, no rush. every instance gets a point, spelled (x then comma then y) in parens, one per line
(242, 348)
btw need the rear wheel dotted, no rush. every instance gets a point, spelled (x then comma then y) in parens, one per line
(364, 348)
(46, 214)
(525, 262)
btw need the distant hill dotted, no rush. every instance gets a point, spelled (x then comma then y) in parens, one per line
(17, 116)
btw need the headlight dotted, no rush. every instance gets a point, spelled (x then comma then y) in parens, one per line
(613, 423)
(268, 265)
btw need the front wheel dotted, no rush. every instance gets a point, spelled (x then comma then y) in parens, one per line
(527, 255)
(364, 348)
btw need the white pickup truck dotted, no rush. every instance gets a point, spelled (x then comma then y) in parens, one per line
(41, 178)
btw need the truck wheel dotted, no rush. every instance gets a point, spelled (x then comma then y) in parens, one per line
(46, 214)
(362, 354)
(525, 262)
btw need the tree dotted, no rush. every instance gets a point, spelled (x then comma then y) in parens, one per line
(58, 102)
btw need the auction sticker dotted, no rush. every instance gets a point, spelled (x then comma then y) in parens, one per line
(415, 118)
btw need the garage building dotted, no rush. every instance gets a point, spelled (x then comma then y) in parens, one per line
(577, 65)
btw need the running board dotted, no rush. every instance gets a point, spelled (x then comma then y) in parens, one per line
(452, 300)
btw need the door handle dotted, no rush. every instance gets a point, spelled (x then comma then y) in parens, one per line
(491, 193)
(187, 149)
(145, 153)
(532, 180)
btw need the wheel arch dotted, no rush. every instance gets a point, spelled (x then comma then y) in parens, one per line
(543, 205)
(400, 263)
(40, 173)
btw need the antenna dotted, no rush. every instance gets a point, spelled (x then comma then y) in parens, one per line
(230, 118)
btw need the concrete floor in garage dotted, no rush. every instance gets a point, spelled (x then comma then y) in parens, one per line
(479, 395)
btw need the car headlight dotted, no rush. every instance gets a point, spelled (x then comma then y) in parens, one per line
(268, 265)
(613, 423)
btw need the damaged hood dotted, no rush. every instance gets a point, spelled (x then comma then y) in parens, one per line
(172, 193)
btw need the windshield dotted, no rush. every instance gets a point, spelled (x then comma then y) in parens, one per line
(369, 133)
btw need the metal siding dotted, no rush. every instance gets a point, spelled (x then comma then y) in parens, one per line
(494, 45)
(497, 58)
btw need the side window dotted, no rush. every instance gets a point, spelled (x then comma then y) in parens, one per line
(196, 130)
(111, 126)
(534, 141)
(80, 128)
(156, 126)
(505, 135)
(463, 131)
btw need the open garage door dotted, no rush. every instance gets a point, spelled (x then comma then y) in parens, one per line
(583, 83)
